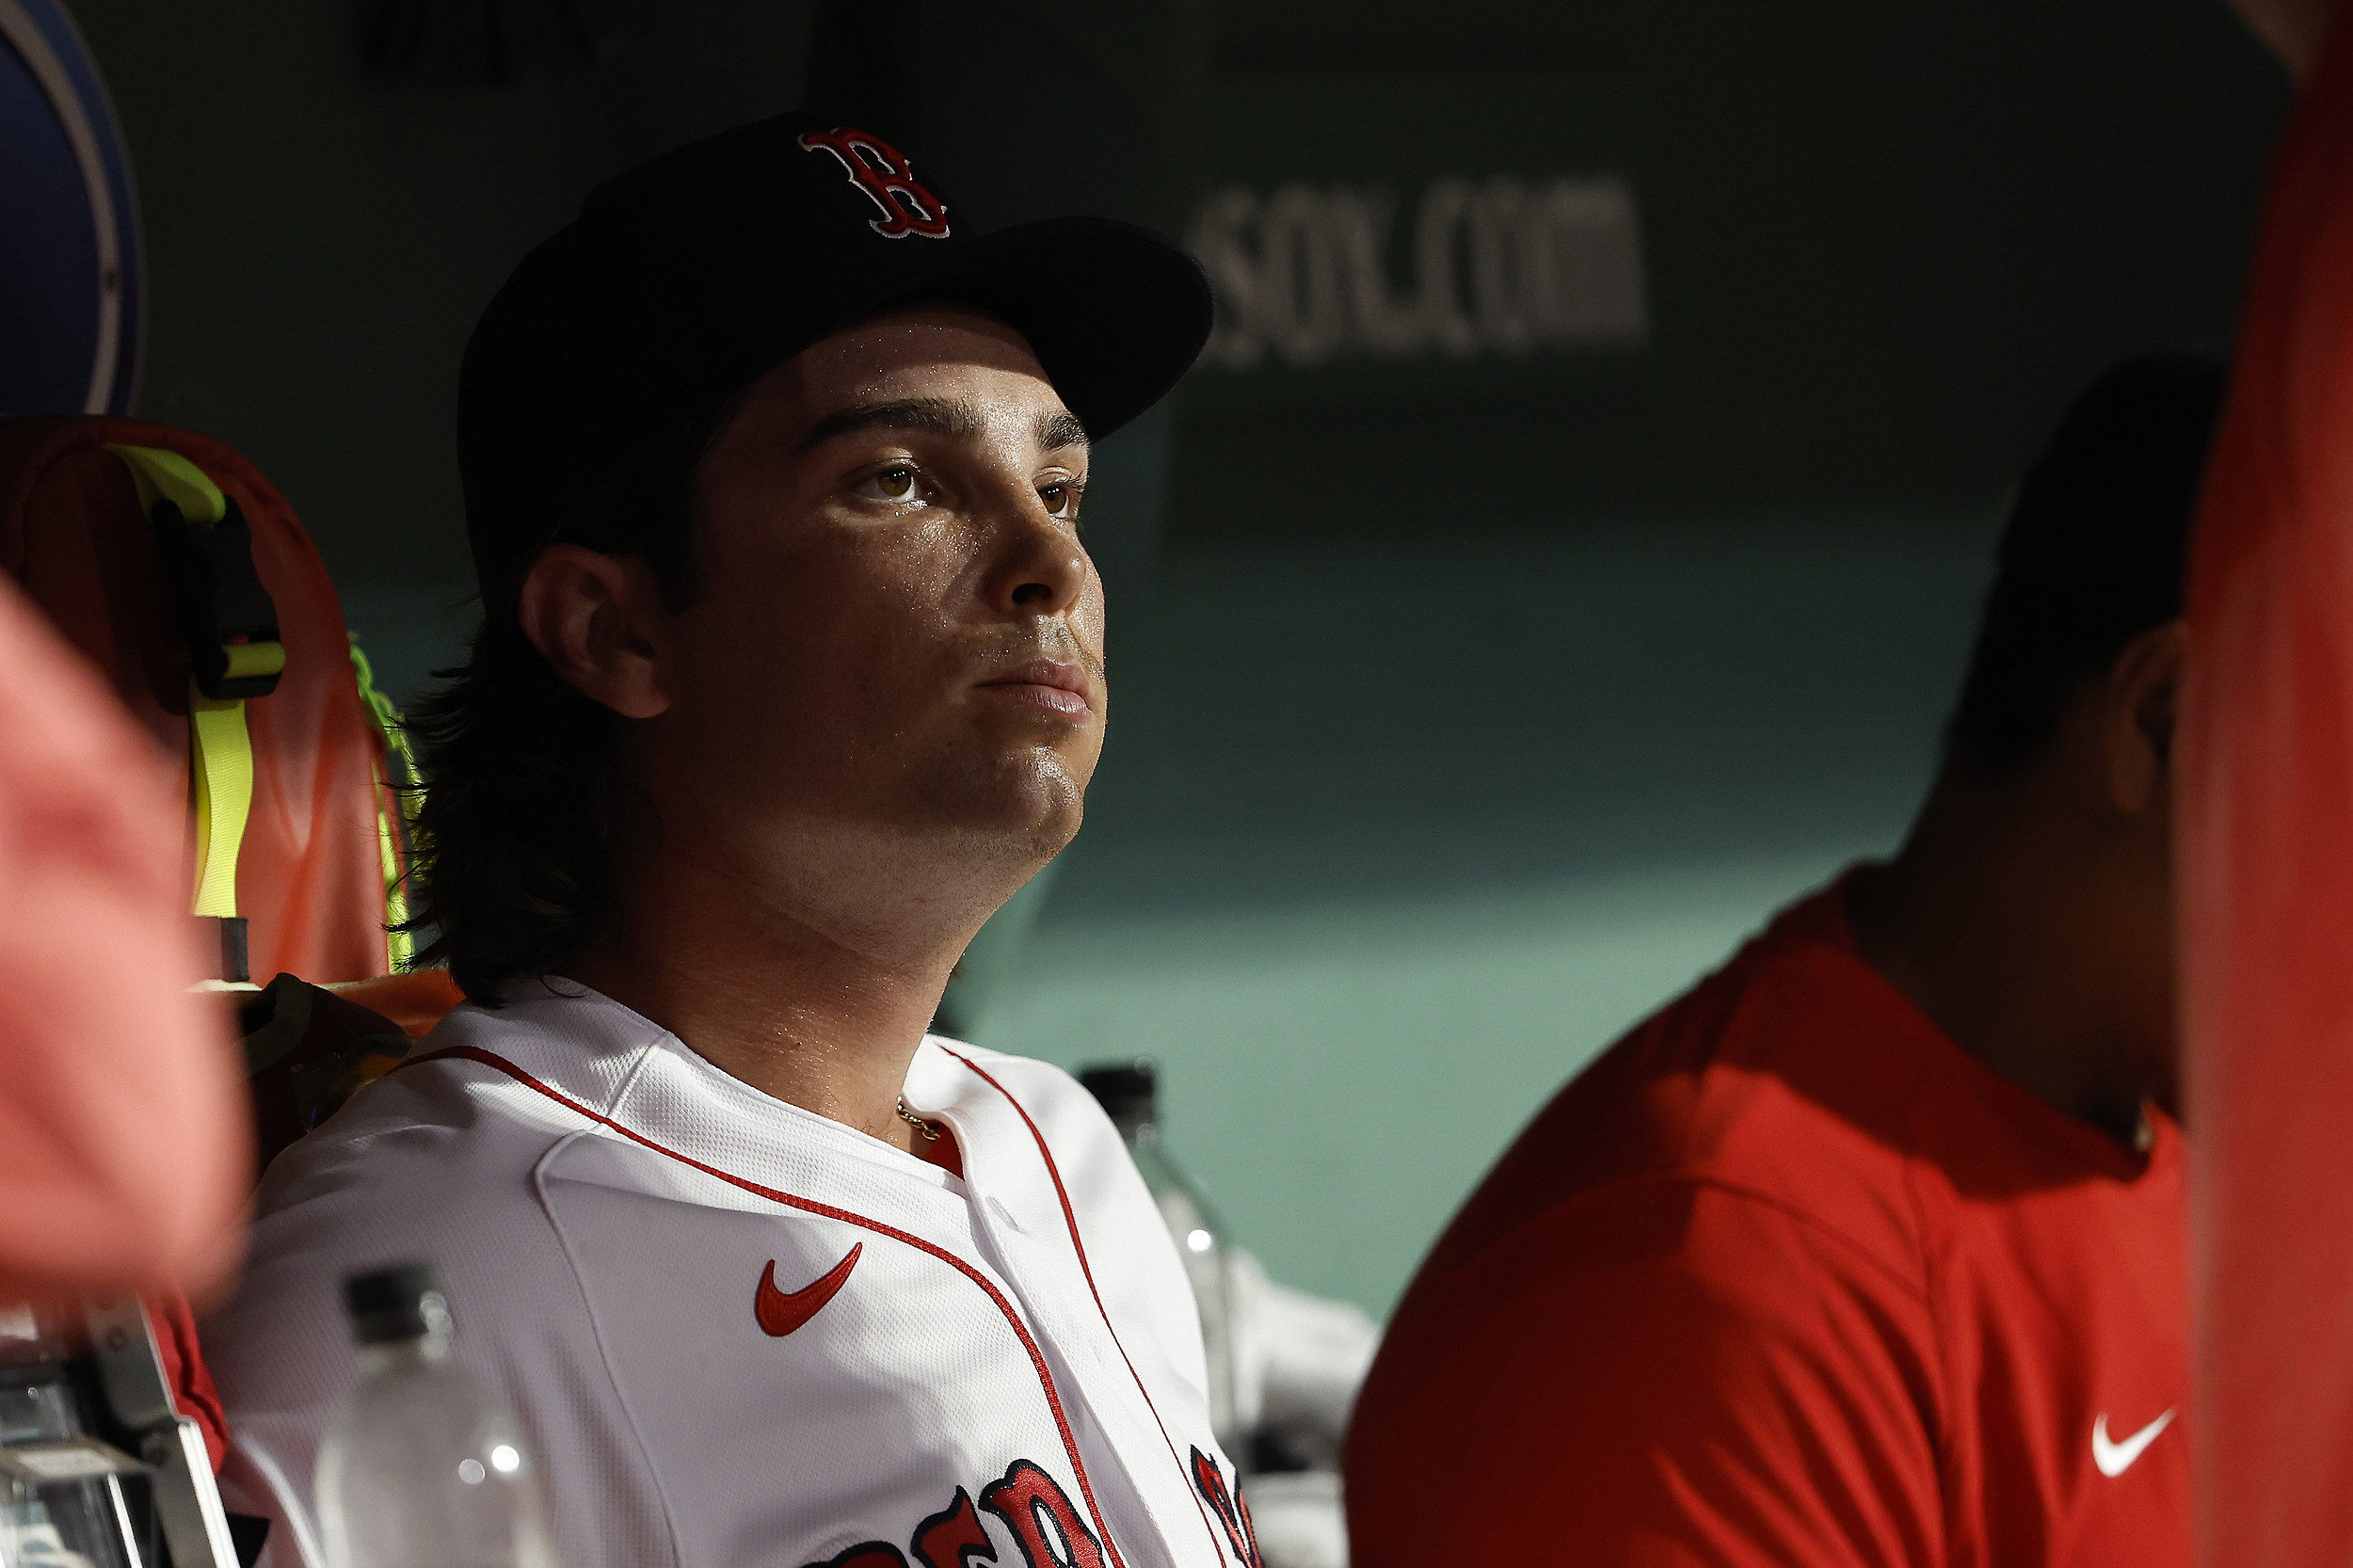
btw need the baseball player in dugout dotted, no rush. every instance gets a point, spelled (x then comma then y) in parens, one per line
(790, 672)
(1870, 1249)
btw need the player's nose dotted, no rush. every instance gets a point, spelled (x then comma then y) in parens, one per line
(1037, 565)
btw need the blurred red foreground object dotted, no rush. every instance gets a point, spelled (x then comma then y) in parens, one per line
(121, 1120)
(2267, 882)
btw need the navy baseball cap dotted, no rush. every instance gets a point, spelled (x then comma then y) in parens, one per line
(683, 280)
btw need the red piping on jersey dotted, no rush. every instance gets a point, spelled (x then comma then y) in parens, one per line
(1071, 1218)
(825, 1210)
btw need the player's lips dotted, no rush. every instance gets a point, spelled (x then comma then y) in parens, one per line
(1047, 685)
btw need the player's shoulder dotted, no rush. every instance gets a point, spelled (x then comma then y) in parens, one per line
(1791, 1078)
(1796, 1045)
(412, 1162)
(435, 1162)
(477, 1103)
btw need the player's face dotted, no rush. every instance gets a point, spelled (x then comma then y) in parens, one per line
(899, 629)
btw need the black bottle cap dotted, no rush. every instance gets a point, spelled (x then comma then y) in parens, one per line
(1128, 1091)
(403, 1302)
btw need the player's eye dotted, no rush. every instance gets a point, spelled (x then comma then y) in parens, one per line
(899, 482)
(1062, 501)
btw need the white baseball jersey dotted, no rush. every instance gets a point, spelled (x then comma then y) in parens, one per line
(740, 1335)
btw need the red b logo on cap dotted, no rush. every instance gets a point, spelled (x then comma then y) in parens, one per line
(881, 171)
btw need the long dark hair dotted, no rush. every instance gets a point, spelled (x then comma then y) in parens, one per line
(515, 830)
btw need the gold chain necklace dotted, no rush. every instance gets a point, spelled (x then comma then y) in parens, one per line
(930, 1131)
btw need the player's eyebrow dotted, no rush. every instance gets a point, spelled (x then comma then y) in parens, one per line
(1059, 429)
(938, 416)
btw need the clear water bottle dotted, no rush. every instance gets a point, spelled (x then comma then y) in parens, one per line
(1129, 1093)
(424, 1467)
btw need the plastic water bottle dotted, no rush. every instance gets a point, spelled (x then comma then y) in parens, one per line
(424, 1467)
(1129, 1093)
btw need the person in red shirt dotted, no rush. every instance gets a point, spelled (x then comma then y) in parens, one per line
(1870, 1248)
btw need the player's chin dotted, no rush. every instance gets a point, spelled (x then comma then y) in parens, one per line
(1036, 790)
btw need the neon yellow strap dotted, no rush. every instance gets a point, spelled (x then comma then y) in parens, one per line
(400, 945)
(246, 659)
(224, 794)
(221, 750)
(163, 475)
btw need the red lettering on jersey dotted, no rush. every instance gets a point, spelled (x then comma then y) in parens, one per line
(1046, 1529)
(881, 170)
(866, 1554)
(954, 1537)
(1232, 1512)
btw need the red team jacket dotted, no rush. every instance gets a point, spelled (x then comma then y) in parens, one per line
(1787, 1278)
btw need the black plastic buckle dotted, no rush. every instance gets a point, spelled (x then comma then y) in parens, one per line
(219, 595)
(234, 965)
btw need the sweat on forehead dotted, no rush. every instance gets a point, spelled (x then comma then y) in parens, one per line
(910, 338)
(932, 369)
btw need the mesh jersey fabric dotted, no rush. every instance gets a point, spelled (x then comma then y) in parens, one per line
(1786, 1277)
(612, 1215)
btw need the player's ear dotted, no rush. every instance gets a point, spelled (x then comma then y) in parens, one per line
(600, 622)
(2143, 698)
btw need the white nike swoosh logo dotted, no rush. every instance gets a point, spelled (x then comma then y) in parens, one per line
(2113, 1458)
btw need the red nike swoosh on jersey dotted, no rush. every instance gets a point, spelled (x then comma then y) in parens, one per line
(780, 1312)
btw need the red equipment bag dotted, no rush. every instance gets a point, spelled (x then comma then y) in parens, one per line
(321, 850)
